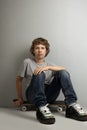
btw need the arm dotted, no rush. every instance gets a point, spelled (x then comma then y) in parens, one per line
(38, 70)
(19, 91)
(56, 68)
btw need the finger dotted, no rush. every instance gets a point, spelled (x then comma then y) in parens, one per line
(36, 71)
(40, 70)
(17, 103)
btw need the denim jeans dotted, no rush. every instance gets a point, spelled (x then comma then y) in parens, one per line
(40, 93)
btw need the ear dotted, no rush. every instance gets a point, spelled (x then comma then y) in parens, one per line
(33, 53)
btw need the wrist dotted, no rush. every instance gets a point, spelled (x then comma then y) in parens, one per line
(20, 98)
(49, 67)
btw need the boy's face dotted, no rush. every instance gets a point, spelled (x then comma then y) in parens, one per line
(39, 51)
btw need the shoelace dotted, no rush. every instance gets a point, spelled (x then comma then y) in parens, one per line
(79, 109)
(46, 111)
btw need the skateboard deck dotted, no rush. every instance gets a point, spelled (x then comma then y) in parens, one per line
(56, 106)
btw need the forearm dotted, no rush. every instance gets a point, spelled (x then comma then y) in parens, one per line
(56, 68)
(19, 87)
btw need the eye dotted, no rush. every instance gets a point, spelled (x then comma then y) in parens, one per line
(43, 48)
(36, 48)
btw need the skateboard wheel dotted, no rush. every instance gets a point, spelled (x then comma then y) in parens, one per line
(59, 109)
(24, 108)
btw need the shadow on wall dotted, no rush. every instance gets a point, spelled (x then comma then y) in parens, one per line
(8, 78)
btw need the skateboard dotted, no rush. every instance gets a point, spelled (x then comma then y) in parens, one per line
(57, 106)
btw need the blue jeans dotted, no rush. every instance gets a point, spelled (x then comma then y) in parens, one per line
(40, 94)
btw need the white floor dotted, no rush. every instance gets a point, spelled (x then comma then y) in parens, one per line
(12, 119)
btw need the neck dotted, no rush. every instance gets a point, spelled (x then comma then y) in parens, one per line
(41, 61)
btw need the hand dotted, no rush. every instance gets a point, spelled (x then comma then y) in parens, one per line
(38, 70)
(18, 102)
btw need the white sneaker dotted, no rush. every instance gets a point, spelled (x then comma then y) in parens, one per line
(79, 109)
(44, 115)
(76, 112)
(46, 111)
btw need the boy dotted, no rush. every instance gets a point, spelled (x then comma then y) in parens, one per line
(44, 82)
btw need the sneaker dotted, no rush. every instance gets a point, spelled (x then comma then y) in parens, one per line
(44, 115)
(76, 112)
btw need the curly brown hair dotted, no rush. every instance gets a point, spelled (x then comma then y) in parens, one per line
(41, 41)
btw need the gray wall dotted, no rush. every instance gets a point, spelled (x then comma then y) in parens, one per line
(62, 22)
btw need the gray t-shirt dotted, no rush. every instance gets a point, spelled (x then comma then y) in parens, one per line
(27, 68)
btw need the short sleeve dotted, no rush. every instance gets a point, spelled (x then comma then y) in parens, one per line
(23, 69)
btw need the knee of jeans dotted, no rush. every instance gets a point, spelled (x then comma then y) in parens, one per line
(41, 75)
(64, 73)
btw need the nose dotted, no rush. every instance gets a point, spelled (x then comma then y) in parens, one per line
(40, 50)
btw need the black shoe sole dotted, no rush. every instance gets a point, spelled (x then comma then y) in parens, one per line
(48, 122)
(77, 118)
